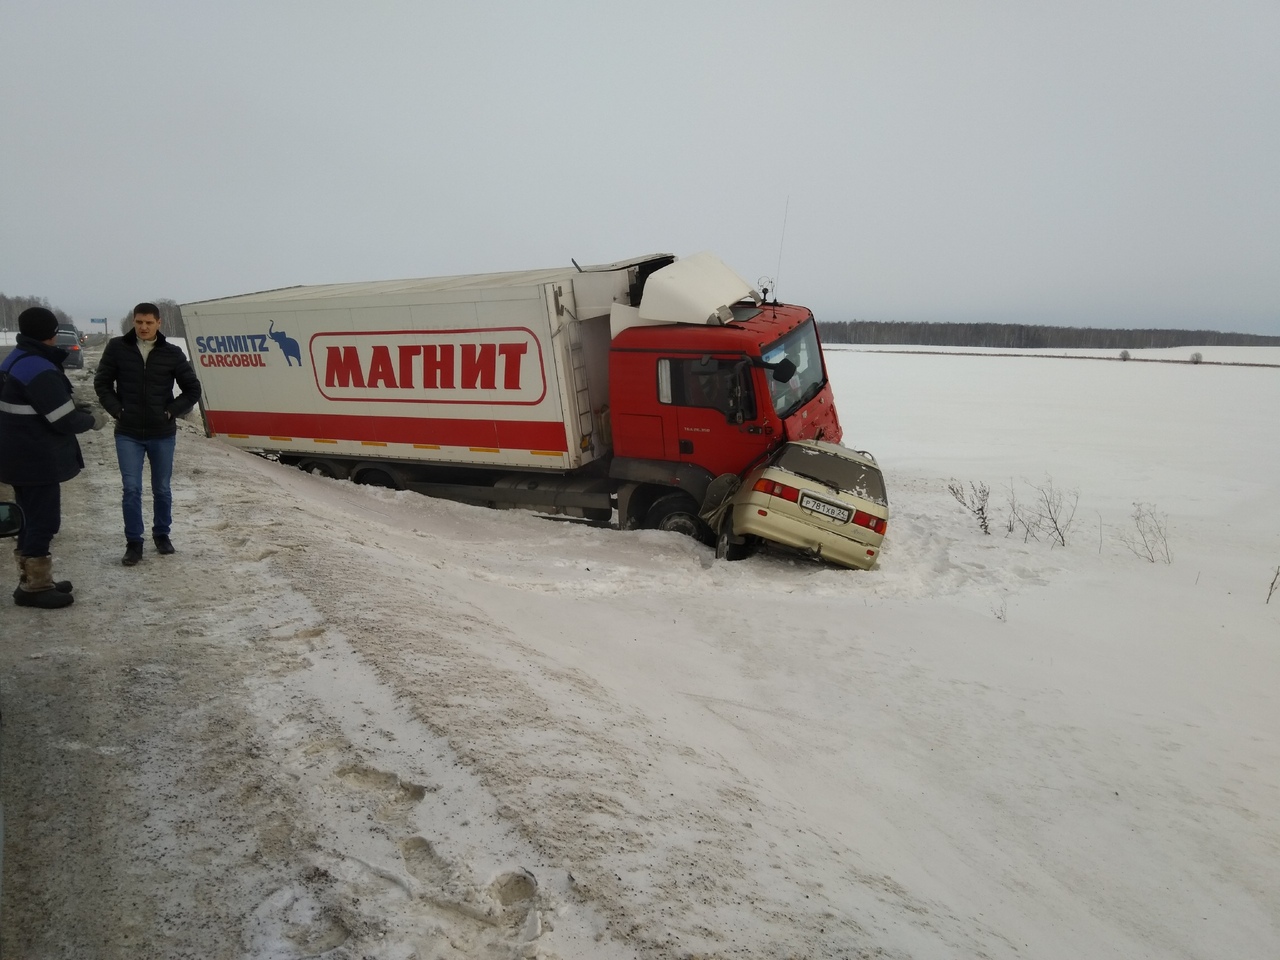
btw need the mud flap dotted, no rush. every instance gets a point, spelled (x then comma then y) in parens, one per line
(719, 498)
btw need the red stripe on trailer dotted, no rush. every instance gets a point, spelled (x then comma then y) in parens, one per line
(503, 434)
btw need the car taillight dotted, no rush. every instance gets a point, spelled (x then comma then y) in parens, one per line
(776, 490)
(874, 524)
(75, 346)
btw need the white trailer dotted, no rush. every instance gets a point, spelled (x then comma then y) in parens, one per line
(503, 370)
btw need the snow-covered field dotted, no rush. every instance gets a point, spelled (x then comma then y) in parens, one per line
(1245, 356)
(345, 722)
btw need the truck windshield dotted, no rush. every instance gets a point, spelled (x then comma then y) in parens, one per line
(800, 346)
(840, 473)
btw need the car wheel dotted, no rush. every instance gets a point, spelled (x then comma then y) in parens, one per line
(726, 549)
(678, 513)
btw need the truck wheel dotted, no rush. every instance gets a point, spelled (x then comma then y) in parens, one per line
(677, 512)
(320, 468)
(376, 478)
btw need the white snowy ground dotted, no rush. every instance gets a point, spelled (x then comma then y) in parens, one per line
(345, 722)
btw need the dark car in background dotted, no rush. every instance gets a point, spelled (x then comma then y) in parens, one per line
(69, 341)
(68, 327)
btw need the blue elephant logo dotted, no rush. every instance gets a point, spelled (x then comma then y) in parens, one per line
(288, 346)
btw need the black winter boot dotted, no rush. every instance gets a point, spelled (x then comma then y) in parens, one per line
(132, 553)
(63, 585)
(39, 591)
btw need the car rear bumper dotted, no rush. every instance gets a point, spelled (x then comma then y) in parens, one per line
(754, 516)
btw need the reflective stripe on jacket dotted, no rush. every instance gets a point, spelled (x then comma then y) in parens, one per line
(38, 417)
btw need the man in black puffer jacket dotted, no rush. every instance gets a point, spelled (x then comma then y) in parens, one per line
(39, 450)
(135, 382)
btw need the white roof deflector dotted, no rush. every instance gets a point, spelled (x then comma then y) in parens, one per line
(697, 289)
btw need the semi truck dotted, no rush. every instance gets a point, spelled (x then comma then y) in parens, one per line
(619, 390)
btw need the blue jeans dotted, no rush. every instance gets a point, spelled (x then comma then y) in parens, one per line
(130, 452)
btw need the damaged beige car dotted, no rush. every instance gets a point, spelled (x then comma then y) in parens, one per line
(819, 498)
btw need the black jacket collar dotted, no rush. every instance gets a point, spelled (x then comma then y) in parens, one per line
(132, 337)
(53, 354)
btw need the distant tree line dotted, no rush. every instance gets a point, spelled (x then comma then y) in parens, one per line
(11, 308)
(1028, 337)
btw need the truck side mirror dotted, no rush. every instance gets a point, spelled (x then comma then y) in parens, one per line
(783, 370)
(10, 519)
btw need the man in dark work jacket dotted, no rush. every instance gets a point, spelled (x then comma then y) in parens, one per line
(39, 421)
(134, 382)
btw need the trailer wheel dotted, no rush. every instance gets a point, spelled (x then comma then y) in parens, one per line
(678, 513)
(322, 468)
(376, 478)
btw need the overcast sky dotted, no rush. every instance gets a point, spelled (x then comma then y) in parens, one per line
(1088, 163)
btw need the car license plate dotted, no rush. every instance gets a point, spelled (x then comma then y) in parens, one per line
(824, 508)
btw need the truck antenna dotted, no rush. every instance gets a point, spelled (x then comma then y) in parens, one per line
(778, 273)
(575, 263)
(765, 284)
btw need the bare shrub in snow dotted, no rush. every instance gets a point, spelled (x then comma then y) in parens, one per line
(1124, 354)
(1057, 509)
(1014, 518)
(1149, 537)
(1049, 515)
(975, 501)
(1024, 518)
(1197, 357)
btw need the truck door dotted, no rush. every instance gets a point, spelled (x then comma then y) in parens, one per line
(715, 409)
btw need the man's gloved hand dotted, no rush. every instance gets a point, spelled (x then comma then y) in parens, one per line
(100, 418)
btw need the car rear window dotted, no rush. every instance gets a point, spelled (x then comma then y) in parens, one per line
(843, 473)
(67, 338)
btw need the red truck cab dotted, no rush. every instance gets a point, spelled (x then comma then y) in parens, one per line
(691, 402)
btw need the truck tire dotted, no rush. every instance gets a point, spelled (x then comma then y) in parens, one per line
(678, 513)
(373, 477)
(322, 468)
